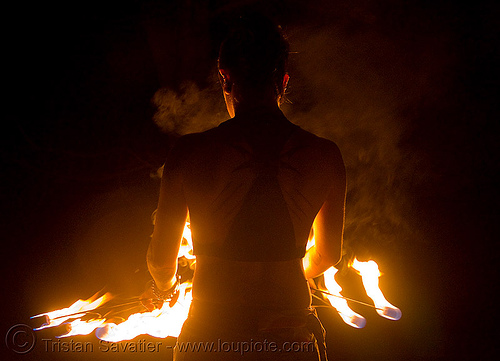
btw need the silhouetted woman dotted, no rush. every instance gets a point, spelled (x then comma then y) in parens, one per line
(254, 187)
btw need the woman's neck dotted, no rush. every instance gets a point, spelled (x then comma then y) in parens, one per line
(251, 105)
(248, 100)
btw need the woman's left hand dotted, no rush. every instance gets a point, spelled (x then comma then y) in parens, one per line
(149, 300)
(154, 298)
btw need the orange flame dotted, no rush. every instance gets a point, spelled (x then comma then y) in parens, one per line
(168, 321)
(369, 274)
(340, 304)
(79, 327)
(77, 309)
(186, 248)
(162, 323)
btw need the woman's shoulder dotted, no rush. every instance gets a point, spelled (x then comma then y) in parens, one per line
(197, 143)
(228, 132)
(199, 139)
(316, 143)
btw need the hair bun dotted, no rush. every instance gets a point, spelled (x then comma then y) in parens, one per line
(255, 52)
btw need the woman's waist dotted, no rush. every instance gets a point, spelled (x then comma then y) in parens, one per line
(256, 318)
(223, 264)
(271, 285)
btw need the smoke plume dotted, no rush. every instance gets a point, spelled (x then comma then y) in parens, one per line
(189, 110)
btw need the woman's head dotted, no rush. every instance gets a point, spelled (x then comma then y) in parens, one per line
(254, 57)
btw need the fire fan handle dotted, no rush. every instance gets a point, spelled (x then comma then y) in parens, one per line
(171, 295)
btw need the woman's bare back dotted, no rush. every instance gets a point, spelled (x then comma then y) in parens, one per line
(253, 264)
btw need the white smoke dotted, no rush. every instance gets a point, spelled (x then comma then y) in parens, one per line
(190, 110)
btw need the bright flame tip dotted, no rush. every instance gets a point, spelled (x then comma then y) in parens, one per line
(391, 313)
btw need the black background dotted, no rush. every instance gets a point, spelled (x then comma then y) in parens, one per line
(80, 150)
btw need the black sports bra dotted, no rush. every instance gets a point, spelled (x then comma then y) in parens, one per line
(262, 229)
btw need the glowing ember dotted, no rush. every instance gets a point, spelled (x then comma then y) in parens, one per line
(340, 304)
(369, 274)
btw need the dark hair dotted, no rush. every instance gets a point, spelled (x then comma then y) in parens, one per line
(255, 53)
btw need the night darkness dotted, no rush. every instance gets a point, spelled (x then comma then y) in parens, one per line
(95, 93)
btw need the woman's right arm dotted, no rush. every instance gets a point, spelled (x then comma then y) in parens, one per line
(170, 219)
